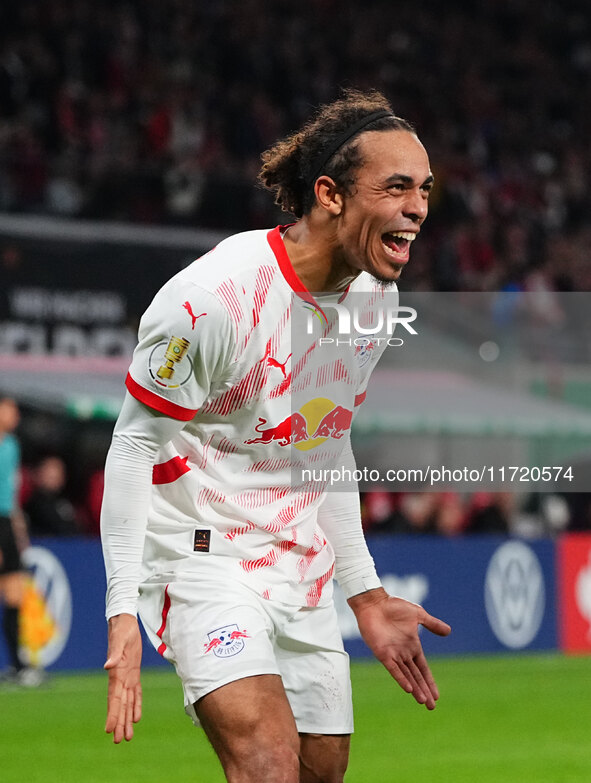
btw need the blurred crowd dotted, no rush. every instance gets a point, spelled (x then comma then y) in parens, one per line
(57, 503)
(56, 506)
(158, 110)
(453, 513)
(52, 505)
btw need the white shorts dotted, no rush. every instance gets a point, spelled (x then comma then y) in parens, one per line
(215, 633)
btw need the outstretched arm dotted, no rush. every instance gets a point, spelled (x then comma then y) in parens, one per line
(124, 657)
(390, 628)
(138, 435)
(388, 625)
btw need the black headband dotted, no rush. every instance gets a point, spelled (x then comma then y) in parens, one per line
(322, 159)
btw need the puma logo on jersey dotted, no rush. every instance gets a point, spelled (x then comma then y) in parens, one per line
(189, 309)
(271, 362)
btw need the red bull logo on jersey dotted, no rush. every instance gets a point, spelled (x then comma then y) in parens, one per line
(293, 429)
(226, 641)
(315, 422)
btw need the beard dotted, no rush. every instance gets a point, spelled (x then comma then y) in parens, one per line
(385, 283)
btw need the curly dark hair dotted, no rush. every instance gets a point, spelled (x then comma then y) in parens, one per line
(287, 166)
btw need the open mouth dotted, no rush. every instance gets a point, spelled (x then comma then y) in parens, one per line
(397, 243)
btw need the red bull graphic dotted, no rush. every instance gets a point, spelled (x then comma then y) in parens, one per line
(315, 422)
(225, 641)
(239, 635)
(293, 429)
(335, 423)
(209, 646)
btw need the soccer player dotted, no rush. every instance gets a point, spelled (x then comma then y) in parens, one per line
(231, 558)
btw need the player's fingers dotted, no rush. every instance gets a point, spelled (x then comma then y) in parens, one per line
(429, 699)
(129, 713)
(137, 707)
(434, 624)
(119, 732)
(417, 691)
(421, 662)
(113, 703)
(399, 676)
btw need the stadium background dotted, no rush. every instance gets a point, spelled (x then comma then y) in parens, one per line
(130, 136)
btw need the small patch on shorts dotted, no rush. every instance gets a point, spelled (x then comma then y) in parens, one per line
(226, 641)
(201, 541)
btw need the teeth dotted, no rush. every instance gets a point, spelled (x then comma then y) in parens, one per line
(408, 235)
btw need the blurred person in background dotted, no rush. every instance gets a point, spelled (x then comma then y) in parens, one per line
(491, 512)
(49, 511)
(13, 539)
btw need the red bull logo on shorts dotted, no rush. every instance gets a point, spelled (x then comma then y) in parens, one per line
(226, 641)
(315, 422)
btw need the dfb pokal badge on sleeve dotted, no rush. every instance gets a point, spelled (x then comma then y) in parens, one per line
(169, 364)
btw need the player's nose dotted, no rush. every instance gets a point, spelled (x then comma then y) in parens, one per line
(416, 206)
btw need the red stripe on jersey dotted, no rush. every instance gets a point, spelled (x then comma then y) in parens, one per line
(240, 531)
(305, 561)
(282, 389)
(227, 293)
(333, 372)
(256, 498)
(224, 448)
(208, 497)
(253, 382)
(261, 289)
(282, 519)
(167, 472)
(165, 611)
(359, 398)
(157, 403)
(314, 593)
(271, 558)
(248, 387)
(271, 465)
(205, 453)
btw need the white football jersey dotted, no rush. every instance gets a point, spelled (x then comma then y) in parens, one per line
(235, 346)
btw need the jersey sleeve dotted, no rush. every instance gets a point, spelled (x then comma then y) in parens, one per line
(339, 517)
(186, 344)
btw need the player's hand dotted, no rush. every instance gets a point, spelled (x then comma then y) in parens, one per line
(389, 627)
(124, 701)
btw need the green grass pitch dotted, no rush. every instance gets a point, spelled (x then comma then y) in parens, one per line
(509, 719)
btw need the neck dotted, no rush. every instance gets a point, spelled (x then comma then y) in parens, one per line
(312, 250)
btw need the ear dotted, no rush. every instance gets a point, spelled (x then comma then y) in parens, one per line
(328, 196)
